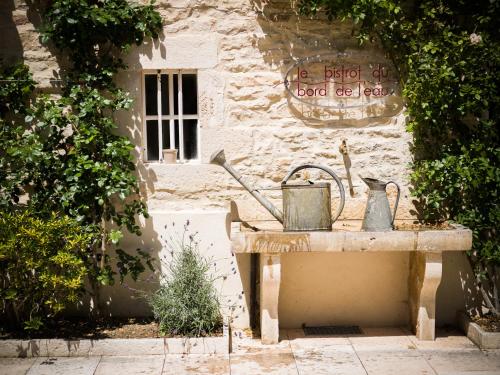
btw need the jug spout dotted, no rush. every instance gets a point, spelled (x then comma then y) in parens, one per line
(219, 158)
(373, 183)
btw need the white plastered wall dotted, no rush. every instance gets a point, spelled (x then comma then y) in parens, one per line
(161, 234)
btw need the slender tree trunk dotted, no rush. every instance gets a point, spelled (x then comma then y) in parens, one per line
(496, 275)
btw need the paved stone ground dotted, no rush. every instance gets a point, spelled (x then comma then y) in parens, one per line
(384, 351)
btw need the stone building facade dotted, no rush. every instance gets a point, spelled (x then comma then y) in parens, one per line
(233, 60)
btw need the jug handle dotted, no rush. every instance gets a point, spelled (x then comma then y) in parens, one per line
(331, 173)
(397, 201)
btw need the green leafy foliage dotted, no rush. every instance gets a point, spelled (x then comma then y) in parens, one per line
(94, 32)
(187, 302)
(15, 92)
(42, 266)
(448, 57)
(15, 89)
(62, 153)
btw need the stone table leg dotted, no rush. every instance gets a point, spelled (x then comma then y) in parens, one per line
(425, 276)
(270, 277)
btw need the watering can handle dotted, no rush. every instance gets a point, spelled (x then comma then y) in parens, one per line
(331, 173)
(397, 201)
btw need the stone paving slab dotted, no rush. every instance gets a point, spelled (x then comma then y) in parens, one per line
(382, 339)
(177, 364)
(242, 344)
(263, 363)
(109, 347)
(15, 366)
(298, 340)
(132, 365)
(451, 340)
(377, 351)
(335, 359)
(64, 366)
(124, 347)
(23, 348)
(395, 363)
(68, 348)
(455, 362)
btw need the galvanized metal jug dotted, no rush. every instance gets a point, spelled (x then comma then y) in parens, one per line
(378, 212)
(306, 207)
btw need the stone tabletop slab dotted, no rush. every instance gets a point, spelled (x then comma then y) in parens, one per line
(346, 236)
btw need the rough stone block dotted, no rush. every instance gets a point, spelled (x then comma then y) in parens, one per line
(483, 339)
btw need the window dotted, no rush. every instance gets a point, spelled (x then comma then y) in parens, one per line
(171, 114)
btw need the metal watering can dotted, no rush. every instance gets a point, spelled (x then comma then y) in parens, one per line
(378, 212)
(306, 207)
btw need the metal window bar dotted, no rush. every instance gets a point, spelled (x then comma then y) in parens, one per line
(158, 103)
(144, 122)
(171, 112)
(179, 111)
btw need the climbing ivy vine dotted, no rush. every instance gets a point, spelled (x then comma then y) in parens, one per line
(448, 57)
(62, 154)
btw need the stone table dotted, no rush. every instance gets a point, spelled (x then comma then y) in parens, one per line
(425, 245)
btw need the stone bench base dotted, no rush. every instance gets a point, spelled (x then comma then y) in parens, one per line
(425, 249)
(425, 272)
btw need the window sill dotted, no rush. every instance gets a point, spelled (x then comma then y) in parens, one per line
(158, 163)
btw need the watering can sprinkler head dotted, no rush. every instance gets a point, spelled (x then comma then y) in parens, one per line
(218, 157)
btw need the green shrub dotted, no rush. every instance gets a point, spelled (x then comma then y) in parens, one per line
(186, 302)
(42, 266)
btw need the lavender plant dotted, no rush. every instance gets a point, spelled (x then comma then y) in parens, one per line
(187, 302)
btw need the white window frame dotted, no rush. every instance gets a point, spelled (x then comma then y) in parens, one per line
(172, 117)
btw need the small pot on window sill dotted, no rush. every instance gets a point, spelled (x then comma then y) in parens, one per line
(169, 155)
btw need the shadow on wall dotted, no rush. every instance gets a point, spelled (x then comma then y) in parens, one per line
(130, 80)
(21, 42)
(350, 288)
(163, 234)
(211, 232)
(11, 48)
(127, 299)
(288, 37)
(58, 76)
(458, 290)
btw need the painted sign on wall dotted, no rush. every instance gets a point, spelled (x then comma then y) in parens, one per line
(329, 82)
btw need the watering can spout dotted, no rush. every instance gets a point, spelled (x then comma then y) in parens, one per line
(219, 158)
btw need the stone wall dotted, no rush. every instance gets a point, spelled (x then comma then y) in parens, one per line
(243, 50)
(20, 40)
